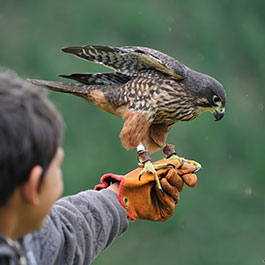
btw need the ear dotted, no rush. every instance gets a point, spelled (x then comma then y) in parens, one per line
(30, 188)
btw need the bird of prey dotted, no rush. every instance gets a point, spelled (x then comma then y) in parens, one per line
(150, 90)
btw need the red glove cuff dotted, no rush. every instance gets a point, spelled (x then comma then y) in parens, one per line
(106, 181)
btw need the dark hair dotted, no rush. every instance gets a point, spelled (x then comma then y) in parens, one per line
(31, 131)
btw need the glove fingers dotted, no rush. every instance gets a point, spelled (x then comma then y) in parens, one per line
(175, 180)
(186, 168)
(166, 203)
(190, 179)
(170, 190)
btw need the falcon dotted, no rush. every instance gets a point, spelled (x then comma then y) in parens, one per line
(150, 90)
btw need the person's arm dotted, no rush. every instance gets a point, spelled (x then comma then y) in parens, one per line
(81, 226)
(78, 228)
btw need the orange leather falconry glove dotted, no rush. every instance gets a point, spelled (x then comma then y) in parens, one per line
(142, 199)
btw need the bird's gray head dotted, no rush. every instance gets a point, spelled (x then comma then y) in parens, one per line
(207, 93)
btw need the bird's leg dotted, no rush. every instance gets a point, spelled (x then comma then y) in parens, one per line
(170, 153)
(145, 162)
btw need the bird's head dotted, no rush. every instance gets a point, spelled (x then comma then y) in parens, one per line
(208, 94)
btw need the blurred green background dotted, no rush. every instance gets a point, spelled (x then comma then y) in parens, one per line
(221, 220)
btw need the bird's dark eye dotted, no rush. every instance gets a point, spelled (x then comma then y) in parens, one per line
(216, 99)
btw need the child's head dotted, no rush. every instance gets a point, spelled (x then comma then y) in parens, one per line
(30, 133)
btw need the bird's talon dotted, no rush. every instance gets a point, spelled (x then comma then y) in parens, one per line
(149, 167)
(197, 169)
(182, 163)
(162, 191)
(183, 160)
(169, 164)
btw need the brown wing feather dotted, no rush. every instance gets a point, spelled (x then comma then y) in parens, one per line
(130, 60)
(99, 78)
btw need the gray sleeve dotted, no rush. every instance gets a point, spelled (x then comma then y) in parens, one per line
(77, 229)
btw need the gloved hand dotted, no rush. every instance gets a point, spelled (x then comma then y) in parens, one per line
(142, 199)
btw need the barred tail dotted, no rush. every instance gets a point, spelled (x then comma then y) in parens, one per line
(101, 96)
(76, 89)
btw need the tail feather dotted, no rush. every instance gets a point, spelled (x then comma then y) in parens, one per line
(76, 89)
(102, 96)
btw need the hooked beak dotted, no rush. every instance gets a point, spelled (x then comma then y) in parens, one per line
(218, 113)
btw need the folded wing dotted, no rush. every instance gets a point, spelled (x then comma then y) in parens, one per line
(130, 60)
